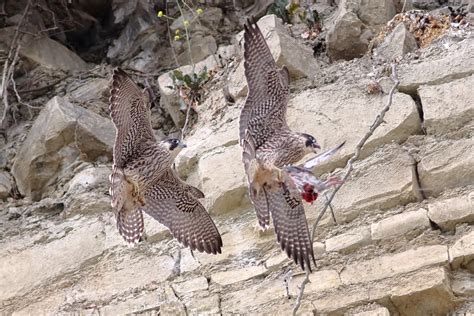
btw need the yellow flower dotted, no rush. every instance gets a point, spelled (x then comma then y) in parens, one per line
(176, 32)
(177, 37)
(199, 11)
(186, 23)
(160, 14)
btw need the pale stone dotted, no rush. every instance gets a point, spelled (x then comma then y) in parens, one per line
(233, 276)
(59, 135)
(462, 252)
(446, 164)
(400, 224)
(204, 305)
(147, 302)
(42, 263)
(270, 292)
(355, 24)
(455, 64)
(197, 284)
(339, 301)
(397, 43)
(224, 187)
(348, 37)
(426, 293)
(319, 281)
(350, 240)
(383, 267)
(363, 192)
(45, 51)
(236, 83)
(201, 47)
(463, 283)
(326, 114)
(5, 185)
(381, 311)
(448, 106)
(188, 262)
(91, 90)
(86, 192)
(124, 273)
(204, 140)
(449, 212)
(154, 230)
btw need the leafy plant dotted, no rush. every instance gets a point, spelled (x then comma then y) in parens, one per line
(190, 86)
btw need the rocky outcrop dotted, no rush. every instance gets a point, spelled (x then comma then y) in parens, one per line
(44, 51)
(61, 133)
(402, 242)
(357, 22)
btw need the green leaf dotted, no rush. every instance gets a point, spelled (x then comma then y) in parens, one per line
(177, 74)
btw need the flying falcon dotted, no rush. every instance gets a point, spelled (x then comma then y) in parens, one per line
(269, 147)
(143, 180)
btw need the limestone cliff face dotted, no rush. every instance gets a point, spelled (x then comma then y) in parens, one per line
(403, 243)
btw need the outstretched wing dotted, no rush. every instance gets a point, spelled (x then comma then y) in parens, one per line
(174, 204)
(267, 98)
(290, 224)
(130, 113)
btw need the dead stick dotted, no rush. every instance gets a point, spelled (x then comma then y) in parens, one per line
(349, 167)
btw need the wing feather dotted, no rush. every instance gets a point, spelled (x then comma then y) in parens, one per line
(129, 110)
(172, 204)
(290, 224)
(268, 91)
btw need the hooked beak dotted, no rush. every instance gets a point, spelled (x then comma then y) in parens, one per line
(315, 146)
(182, 145)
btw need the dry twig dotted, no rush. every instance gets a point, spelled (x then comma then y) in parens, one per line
(349, 167)
(9, 65)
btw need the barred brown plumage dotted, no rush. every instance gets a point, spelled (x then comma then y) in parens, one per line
(142, 179)
(268, 145)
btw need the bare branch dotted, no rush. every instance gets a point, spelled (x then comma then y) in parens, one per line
(9, 66)
(186, 121)
(349, 167)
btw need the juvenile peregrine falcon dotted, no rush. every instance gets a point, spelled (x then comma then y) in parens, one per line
(142, 178)
(269, 145)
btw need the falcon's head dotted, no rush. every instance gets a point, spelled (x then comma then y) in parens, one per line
(174, 145)
(310, 142)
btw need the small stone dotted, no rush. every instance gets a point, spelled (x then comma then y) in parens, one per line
(462, 284)
(61, 133)
(5, 185)
(381, 311)
(383, 267)
(449, 212)
(224, 187)
(397, 43)
(197, 284)
(462, 252)
(405, 223)
(458, 63)
(233, 276)
(446, 164)
(91, 90)
(350, 240)
(425, 293)
(448, 106)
